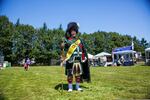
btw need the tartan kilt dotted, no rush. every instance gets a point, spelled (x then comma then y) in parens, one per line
(73, 69)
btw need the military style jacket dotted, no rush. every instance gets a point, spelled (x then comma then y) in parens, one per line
(79, 55)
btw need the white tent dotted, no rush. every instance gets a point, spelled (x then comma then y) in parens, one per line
(103, 58)
(148, 49)
(90, 56)
(147, 56)
(102, 54)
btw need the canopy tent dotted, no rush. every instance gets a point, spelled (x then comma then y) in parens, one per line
(91, 59)
(124, 52)
(90, 56)
(102, 54)
(147, 49)
(103, 59)
(147, 56)
(123, 55)
(123, 48)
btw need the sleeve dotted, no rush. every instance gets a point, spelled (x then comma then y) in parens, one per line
(67, 45)
(84, 47)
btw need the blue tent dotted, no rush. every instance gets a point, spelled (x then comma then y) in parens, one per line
(123, 55)
(122, 49)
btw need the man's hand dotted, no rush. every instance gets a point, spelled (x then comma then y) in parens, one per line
(62, 45)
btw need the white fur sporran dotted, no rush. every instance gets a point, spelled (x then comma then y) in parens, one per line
(76, 69)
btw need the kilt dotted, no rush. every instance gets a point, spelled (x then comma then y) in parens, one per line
(73, 69)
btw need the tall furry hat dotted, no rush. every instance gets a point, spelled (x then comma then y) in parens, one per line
(72, 26)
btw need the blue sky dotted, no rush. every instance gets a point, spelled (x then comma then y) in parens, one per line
(130, 17)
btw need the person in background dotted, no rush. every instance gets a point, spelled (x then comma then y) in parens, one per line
(27, 64)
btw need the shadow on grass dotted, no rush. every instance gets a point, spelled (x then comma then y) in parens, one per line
(60, 87)
(148, 94)
(143, 65)
(2, 96)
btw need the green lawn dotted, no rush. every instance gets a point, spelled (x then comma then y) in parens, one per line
(44, 83)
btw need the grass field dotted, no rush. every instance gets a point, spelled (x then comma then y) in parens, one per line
(44, 83)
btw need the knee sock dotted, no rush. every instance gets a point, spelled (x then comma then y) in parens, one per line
(70, 86)
(77, 82)
(77, 85)
(70, 79)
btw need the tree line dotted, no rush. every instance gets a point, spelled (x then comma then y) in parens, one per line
(18, 41)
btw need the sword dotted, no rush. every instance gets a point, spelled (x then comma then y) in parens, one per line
(62, 63)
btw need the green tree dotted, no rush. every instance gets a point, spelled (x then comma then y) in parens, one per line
(144, 43)
(6, 31)
(60, 27)
(44, 26)
(23, 39)
(18, 22)
(18, 41)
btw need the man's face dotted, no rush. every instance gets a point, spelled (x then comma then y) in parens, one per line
(73, 33)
